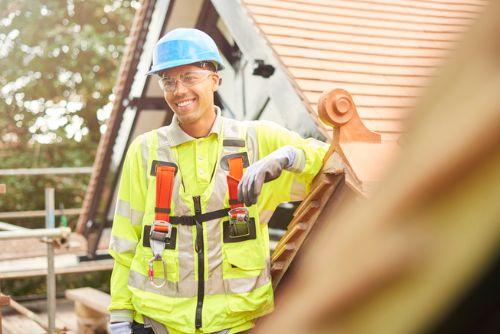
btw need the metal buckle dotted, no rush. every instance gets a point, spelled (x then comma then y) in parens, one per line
(157, 228)
(151, 271)
(238, 222)
(160, 231)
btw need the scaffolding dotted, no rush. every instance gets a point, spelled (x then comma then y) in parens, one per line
(50, 235)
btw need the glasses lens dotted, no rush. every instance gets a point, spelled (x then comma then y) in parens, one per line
(187, 79)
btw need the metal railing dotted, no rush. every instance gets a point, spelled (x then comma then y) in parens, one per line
(49, 234)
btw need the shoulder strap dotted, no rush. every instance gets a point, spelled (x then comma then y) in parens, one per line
(164, 185)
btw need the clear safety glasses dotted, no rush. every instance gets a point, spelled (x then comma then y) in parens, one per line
(188, 79)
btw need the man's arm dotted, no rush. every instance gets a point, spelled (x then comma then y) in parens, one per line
(285, 154)
(125, 234)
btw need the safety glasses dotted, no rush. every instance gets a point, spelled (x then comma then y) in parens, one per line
(188, 79)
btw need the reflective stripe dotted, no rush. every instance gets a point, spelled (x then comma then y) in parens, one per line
(189, 288)
(184, 234)
(186, 255)
(121, 245)
(298, 191)
(145, 155)
(252, 144)
(123, 209)
(265, 216)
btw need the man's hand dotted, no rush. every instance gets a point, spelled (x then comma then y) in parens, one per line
(120, 328)
(265, 170)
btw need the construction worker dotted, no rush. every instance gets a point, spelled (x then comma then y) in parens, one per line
(190, 238)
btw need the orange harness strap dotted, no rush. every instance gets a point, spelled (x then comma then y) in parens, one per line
(233, 179)
(164, 186)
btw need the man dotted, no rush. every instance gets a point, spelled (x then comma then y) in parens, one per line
(190, 238)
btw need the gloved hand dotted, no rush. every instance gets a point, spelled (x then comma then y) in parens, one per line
(120, 328)
(265, 170)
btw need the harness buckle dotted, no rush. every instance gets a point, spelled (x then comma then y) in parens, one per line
(238, 222)
(160, 231)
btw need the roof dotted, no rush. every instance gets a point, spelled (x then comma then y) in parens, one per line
(383, 52)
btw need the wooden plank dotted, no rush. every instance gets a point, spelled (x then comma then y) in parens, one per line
(307, 62)
(349, 57)
(359, 88)
(334, 36)
(38, 213)
(371, 101)
(90, 297)
(371, 79)
(365, 14)
(83, 267)
(383, 8)
(300, 17)
(353, 30)
(348, 47)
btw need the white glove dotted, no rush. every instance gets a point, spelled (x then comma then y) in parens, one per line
(264, 170)
(120, 328)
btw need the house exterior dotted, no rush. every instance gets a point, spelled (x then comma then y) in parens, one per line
(280, 56)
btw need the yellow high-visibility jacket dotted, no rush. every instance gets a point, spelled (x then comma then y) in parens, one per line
(227, 283)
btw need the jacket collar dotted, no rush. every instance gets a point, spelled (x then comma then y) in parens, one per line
(177, 136)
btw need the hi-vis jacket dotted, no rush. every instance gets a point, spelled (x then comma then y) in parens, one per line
(227, 283)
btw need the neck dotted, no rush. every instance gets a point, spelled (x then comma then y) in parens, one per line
(201, 128)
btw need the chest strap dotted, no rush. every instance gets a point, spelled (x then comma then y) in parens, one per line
(204, 217)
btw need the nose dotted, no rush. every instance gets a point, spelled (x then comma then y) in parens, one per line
(179, 87)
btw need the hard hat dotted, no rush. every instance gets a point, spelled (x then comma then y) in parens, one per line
(184, 46)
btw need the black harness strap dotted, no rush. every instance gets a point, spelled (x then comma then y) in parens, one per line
(200, 218)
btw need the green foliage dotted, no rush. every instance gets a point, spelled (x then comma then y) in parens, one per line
(58, 64)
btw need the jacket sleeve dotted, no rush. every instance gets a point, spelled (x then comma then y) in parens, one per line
(295, 183)
(126, 230)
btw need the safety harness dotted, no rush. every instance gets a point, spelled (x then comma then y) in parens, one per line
(161, 228)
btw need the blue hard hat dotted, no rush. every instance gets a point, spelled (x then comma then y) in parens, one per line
(184, 46)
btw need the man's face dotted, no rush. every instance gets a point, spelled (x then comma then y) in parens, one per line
(195, 103)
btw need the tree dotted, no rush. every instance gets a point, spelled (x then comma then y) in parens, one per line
(58, 64)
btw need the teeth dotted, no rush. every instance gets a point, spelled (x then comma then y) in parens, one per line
(184, 103)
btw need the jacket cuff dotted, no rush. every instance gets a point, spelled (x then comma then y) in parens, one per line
(299, 162)
(121, 316)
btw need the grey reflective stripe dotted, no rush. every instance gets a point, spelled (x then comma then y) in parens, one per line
(186, 255)
(121, 315)
(265, 216)
(252, 143)
(121, 245)
(145, 155)
(184, 233)
(123, 209)
(298, 191)
(139, 281)
(189, 288)
(157, 327)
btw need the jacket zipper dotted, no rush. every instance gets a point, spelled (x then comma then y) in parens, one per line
(199, 247)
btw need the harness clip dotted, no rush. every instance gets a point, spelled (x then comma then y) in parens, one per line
(238, 222)
(151, 271)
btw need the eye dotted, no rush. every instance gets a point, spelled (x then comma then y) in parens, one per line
(168, 81)
(191, 77)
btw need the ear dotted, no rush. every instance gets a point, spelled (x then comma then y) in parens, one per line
(216, 80)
